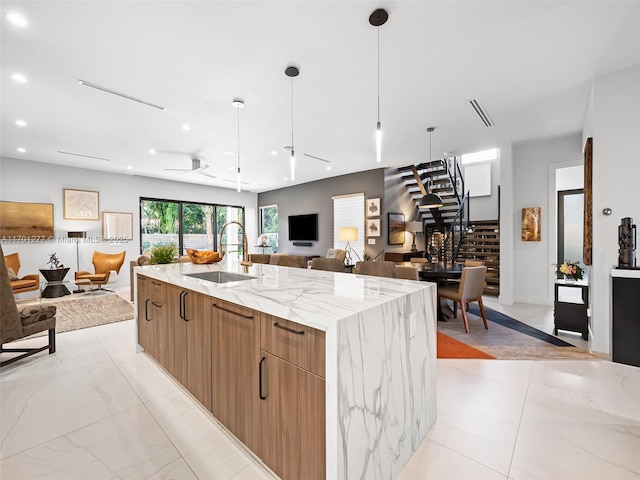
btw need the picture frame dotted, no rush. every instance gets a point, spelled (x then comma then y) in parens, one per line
(531, 224)
(117, 226)
(26, 222)
(80, 204)
(373, 227)
(373, 207)
(395, 229)
(477, 179)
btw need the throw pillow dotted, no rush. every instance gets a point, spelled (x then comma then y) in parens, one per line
(12, 274)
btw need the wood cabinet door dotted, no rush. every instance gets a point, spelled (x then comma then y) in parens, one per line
(197, 318)
(191, 333)
(236, 350)
(146, 327)
(292, 420)
(164, 331)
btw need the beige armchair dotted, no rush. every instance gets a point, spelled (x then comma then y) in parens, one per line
(106, 266)
(470, 290)
(19, 323)
(337, 253)
(407, 272)
(27, 283)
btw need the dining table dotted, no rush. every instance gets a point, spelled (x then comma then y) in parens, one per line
(439, 273)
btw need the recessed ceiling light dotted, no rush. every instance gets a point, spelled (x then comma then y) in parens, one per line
(21, 123)
(17, 19)
(19, 78)
(21, 150)
(129, 167)
(274, 152)
(230, 153)
(231, 168)
(328, 168)
(285, 179)
(185, 127)
(152, 151)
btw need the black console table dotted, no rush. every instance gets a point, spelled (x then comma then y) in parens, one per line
(626, 317)
(55, 286)
(570, 310)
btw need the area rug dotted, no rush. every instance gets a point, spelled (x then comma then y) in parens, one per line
(91, 311)
(451, 348)
(506, 339)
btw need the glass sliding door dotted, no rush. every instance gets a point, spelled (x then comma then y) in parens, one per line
(198, 227)
(159, 223)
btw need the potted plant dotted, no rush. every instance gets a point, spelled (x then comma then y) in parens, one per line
(161, 254)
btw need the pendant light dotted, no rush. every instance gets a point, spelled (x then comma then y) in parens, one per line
(239, 104)
(292, 72)
(377, 18)
(430, 200)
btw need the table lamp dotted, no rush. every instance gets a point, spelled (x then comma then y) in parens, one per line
(76, 236)
(414, 227)
(348, 234)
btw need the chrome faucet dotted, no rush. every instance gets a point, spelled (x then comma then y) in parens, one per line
(245, 245)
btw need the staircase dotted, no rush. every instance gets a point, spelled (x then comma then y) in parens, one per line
(444, 226)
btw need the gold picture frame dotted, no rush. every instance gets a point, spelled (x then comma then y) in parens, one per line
(81, 204)
(531, 224)
(26, 222)
(117, 226)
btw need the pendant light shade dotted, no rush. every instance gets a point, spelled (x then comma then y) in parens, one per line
(377, 18)
(292, 72)
(430, 200)
(238, 103)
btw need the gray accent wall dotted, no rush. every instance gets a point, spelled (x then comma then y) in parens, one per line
(316, 197)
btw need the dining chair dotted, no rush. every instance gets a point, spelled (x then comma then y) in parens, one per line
(418, 260)
(407, 272)
(470, 290)
(378, 269)
(473, 263)
(327, 264)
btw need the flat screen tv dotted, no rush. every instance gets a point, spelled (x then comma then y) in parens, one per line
(303, 227)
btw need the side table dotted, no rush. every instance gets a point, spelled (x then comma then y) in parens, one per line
(55, 286)
(570, 307)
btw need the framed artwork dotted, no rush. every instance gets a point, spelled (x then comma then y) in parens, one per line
(477, 179)
(26, 222)
(373, 227)
(531, 220)
(117, 226)
(395, 231)
(80, 205)
(373, 207)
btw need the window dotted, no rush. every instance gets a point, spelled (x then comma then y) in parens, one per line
(269, 225)
(348, 211)
(189, 225)
(481, 156)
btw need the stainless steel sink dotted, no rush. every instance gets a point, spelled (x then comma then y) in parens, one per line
(220, 277)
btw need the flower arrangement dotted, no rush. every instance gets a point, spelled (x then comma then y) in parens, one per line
(571, 270)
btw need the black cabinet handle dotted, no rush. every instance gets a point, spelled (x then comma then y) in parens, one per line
(231, 311)
(290, 330)
(146, 309)
(183, 302)
(156, 304)
(157, 283)
(262, 397)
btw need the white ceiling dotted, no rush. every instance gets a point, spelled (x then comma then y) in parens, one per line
(528, 63)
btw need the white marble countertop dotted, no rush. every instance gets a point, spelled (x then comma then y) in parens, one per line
(314, 298)
(625, 273)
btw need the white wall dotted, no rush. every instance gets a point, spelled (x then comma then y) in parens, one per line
(616, 170)
(25, 181)
(534, 186)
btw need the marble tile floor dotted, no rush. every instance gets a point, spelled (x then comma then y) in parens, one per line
(96, 409)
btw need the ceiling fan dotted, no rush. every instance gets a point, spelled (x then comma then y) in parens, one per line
(196, 166)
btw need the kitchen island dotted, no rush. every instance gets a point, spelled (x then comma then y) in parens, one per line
(320, 374)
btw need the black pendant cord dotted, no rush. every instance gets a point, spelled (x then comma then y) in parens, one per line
(238, 141)
(292, 149)
(378, 29)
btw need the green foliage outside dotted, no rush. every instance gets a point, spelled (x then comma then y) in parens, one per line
(161, 254)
